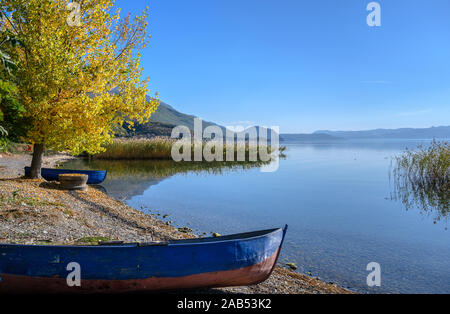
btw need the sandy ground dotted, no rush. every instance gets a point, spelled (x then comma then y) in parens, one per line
(12, 166)
(37, 212)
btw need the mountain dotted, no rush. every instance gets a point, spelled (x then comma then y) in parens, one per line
(306, 138)
(165, 118)
(167, 115)
(405, 133)
(161, 123)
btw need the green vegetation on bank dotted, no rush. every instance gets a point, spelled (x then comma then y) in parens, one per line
(12, 122)
(92, 240)
(121, 149)
(422, 178)
(161, 148)
(159, 168)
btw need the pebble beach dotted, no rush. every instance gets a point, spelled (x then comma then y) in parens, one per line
(38, 212)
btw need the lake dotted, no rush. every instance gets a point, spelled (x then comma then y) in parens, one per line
(336, 199)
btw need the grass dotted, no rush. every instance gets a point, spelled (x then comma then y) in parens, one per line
(92, 240)
(129, 149)
(160, 168)
(16, 198)
(14, 148)
(161, 148)
(422, 178)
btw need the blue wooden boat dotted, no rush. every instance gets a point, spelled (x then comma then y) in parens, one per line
(94, 176)
(235, 260)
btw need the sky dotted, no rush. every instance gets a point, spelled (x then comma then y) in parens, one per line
(302, 65)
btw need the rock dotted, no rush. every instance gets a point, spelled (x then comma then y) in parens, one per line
(292, 266)
(185, 230)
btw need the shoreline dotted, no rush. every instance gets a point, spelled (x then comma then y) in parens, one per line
(39, 212)
(12, 165)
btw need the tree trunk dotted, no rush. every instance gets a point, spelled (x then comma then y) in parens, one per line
(36, 163)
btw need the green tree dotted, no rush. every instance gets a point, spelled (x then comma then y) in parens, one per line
(11, 110)
(11, 114)
(65, 73)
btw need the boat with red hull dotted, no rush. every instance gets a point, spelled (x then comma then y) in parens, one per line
(235, 260)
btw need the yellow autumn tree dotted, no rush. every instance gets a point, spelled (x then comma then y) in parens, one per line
(78, 72)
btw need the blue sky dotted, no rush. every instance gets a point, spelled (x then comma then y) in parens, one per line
(302, 65)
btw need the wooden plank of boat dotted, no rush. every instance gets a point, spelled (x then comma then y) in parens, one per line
(94, 176)
(235, 260)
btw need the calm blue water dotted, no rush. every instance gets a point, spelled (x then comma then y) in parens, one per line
(336, 200)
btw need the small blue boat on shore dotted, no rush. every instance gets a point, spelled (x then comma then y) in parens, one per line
(94, 176)
(235, 260)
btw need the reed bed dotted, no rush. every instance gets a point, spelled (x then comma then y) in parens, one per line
(161, 148)
(129, 149)
(161, 168)
(422, 178)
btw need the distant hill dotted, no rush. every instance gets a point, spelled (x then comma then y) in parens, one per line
(405, 133)
(305, 138)
(166, 118)
(167, 115)
(161, 123)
